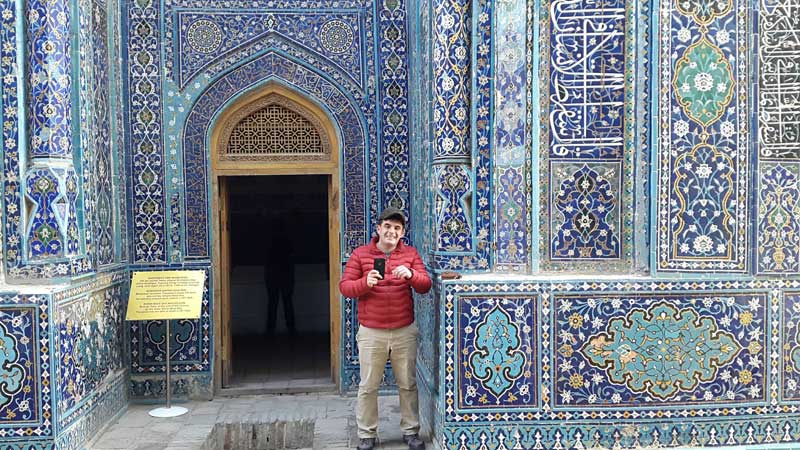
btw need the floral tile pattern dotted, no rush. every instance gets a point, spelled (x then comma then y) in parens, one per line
(702, 208)
(790, 330)
(627, 363)
(635, 350)
(25, 390)
(496, 340)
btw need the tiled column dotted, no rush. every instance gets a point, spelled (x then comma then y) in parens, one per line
(451, 114)
(51, 184)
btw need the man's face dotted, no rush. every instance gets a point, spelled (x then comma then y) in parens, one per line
(390, 232)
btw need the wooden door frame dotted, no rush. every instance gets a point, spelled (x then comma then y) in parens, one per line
(219, 169)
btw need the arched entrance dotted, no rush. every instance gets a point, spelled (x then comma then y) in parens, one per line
(273, 143)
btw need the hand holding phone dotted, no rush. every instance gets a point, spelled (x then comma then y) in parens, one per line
(380, 266)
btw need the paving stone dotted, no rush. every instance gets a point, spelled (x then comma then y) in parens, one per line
(258, 422)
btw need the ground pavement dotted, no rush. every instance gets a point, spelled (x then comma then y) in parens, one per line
(312, 421)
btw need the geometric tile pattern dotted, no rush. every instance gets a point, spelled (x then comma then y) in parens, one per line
(350, 57)
(285, 70)
(703, 148)
(638, 357)
(205, 35)
(586, 148)
(25, 367)
(202, 42)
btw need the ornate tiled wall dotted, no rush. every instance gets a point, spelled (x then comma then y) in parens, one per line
(565, 364)
(60, 145)
(63, 363)
(189, 60)
(63, 209)
(656, 355)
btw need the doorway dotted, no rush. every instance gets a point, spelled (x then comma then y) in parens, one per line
(279, 281)
(275, 163)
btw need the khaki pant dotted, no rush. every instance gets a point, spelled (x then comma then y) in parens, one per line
(375, 346)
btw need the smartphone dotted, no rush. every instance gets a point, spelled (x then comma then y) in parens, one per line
(380, 265)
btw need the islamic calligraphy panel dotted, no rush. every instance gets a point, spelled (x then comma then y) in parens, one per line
(778, 227)
(590, 56)
(779, 79)
(587, 79)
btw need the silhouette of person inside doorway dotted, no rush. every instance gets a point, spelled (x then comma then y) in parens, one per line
(279, 276)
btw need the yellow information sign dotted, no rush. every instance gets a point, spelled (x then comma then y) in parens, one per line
(167, 294)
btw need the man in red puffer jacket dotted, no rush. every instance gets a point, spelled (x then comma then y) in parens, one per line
(387, 329)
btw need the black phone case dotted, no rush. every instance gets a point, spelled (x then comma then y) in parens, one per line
(380, 266)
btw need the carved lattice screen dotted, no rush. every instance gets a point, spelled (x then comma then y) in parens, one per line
(275, 129)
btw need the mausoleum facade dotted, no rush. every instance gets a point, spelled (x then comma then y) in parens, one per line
(605, 192)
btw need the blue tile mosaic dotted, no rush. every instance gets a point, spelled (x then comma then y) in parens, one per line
(46, 236)
(512, 139)
(790, 338)
(48, 64)
(495, 342)
(25, 396)
(145, 121)
(50, 135)
(464, 211)
(104, 171)
(690, 349)
(587, 124)
(778, 241)
(90, 347)
(274, 67)
(683, 363)
(205, 38)
(703, 150)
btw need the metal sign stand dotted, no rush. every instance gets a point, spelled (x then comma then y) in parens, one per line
(169, 411)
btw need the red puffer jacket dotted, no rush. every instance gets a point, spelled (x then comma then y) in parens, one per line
(388, 304)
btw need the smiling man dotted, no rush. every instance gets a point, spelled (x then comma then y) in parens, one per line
(386, 324)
